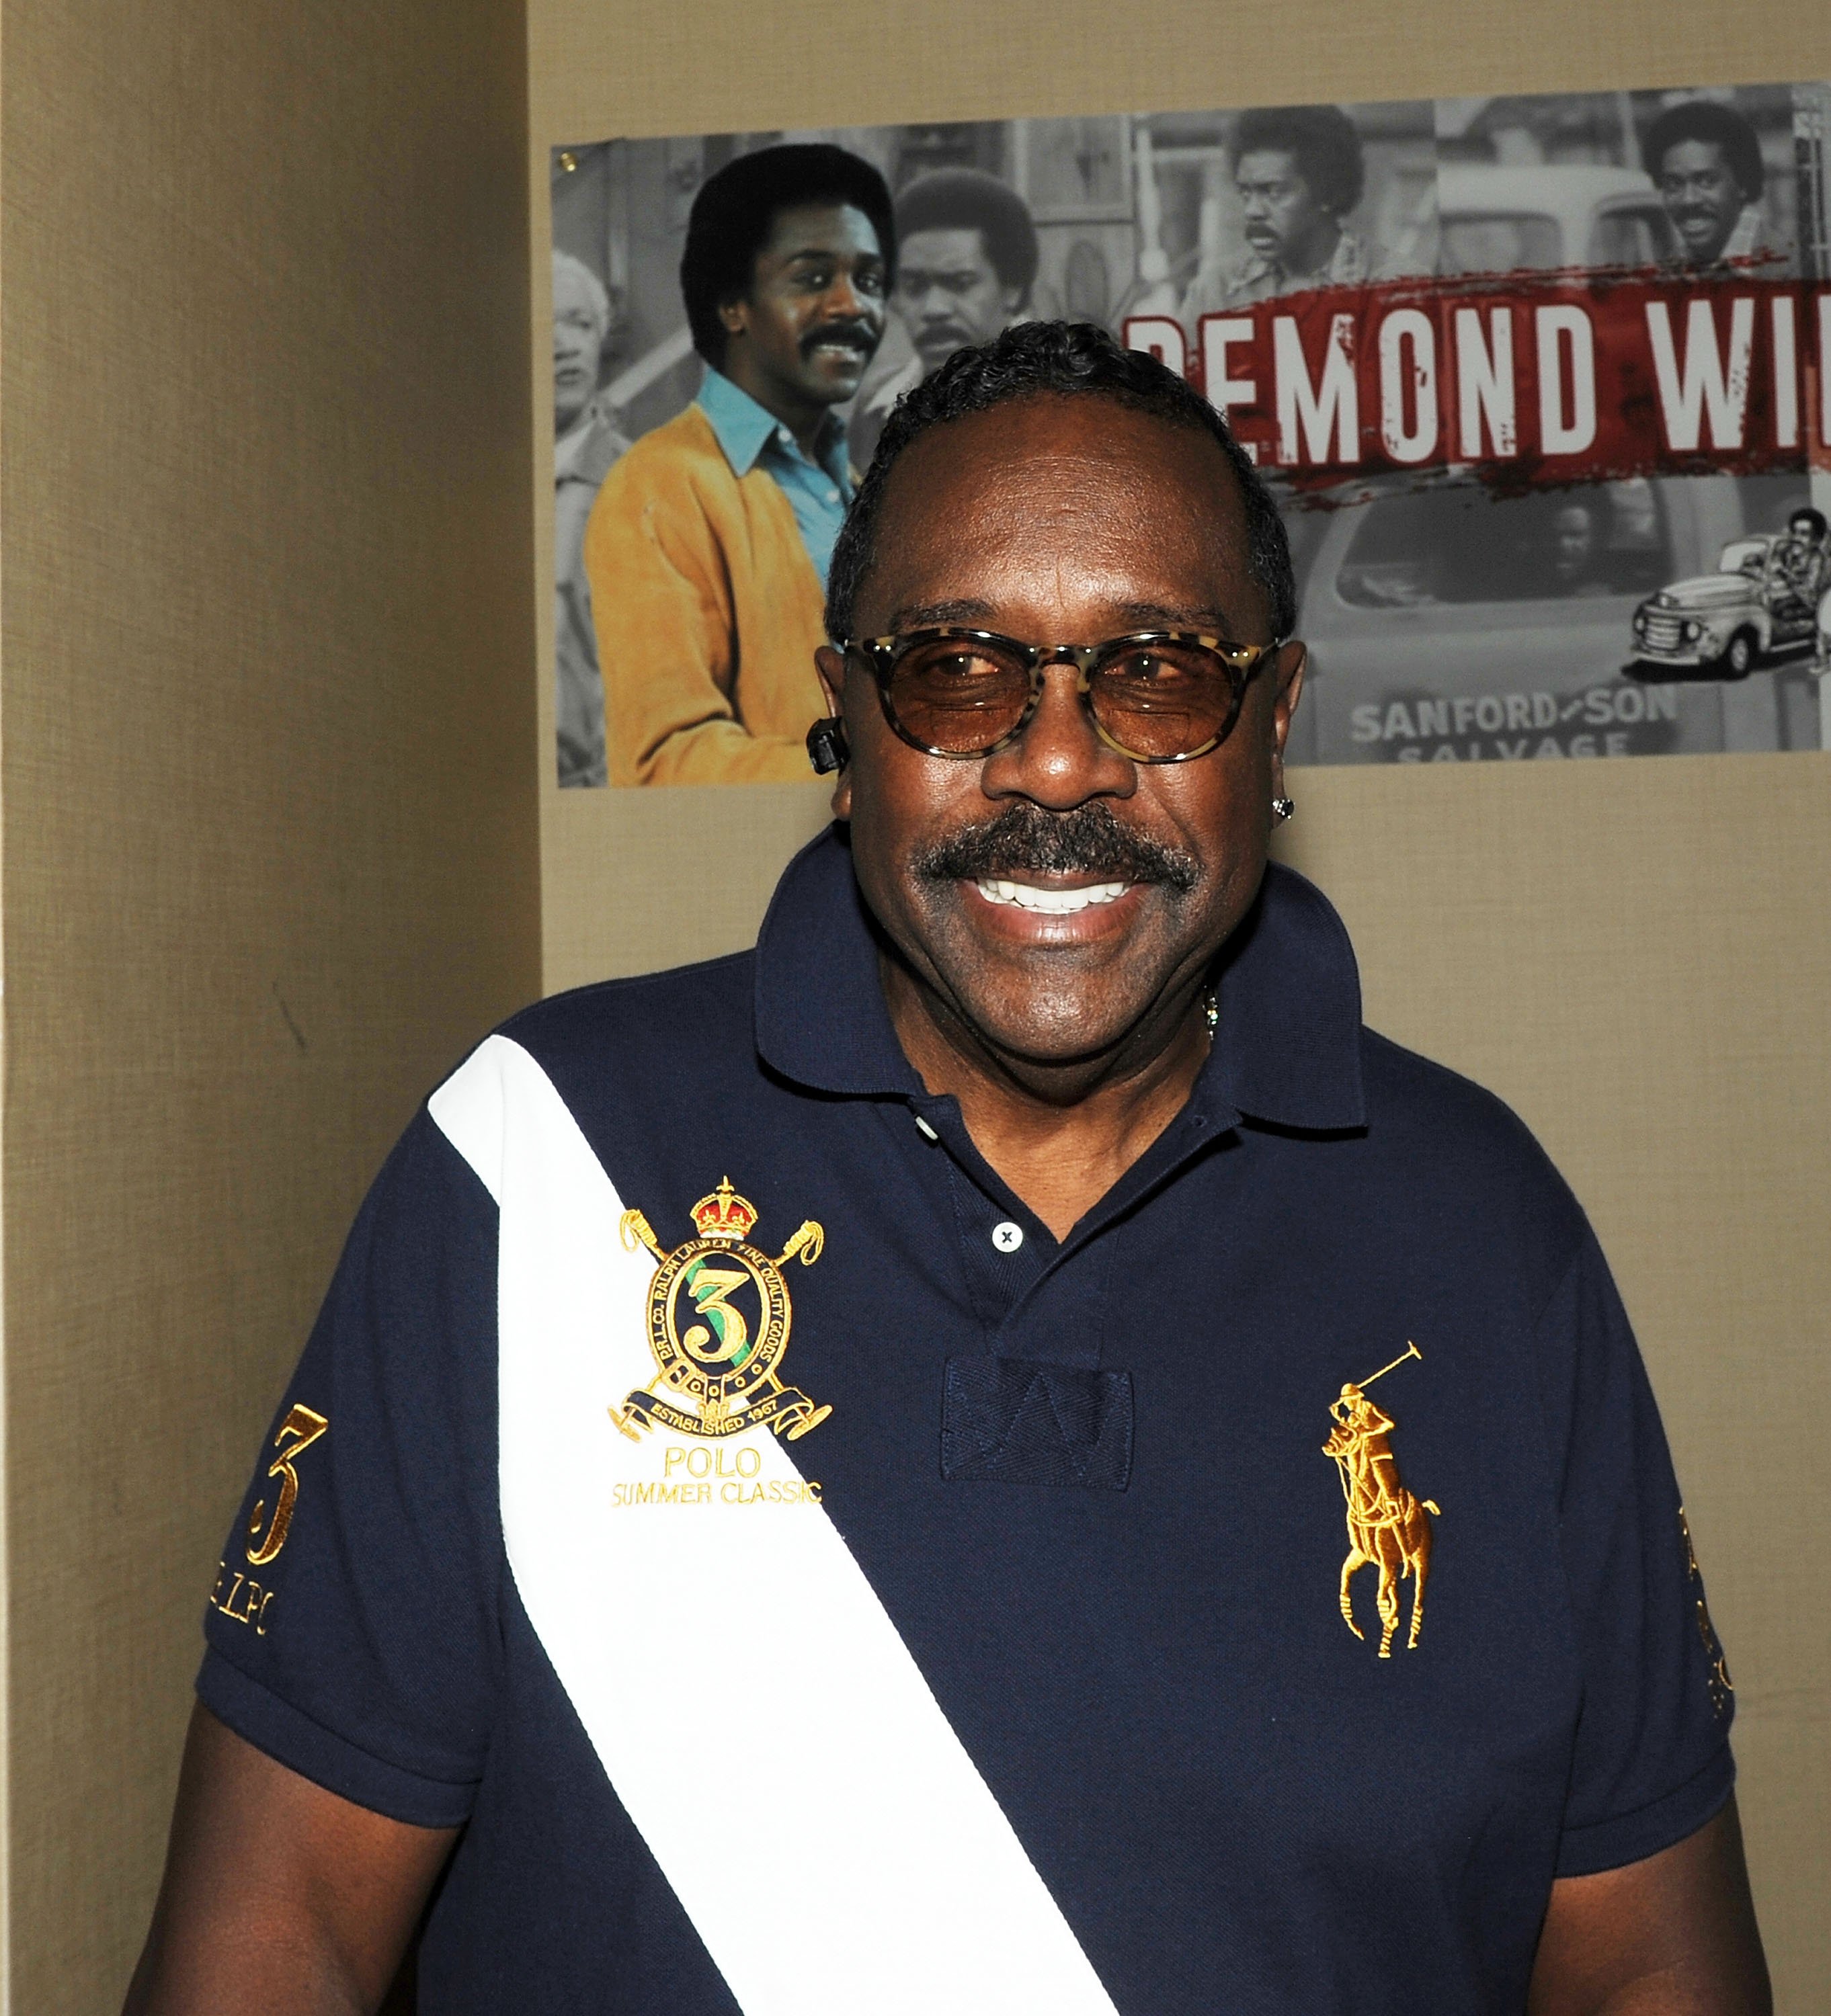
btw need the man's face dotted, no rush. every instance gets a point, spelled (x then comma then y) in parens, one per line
(1061, 520)
(814, 316)
(1805, 531)
(1283, 221)
(949, 294)
(578, 339)
(1702, 197)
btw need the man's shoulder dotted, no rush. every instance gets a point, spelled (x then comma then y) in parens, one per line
(639, 1064)
(1405, 1085)
(682, 451)
(1240, 281)
(603, 447)
(1455, 1140)
(686, 1020)
(674, 481)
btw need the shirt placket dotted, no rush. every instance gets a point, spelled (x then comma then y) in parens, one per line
(1036, 1299)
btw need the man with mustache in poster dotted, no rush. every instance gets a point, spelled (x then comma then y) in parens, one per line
(1705, 159)
(1002, 1662)
(708, 548)
(1298, 172)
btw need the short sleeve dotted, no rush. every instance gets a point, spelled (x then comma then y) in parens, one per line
(1652, 1759)
(354, 1628)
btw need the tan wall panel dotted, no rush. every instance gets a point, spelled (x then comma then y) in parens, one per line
(270, 848)
(634, 880)
(722, 66)
(1636, 955)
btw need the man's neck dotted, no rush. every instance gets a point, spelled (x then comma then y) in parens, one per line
(1062, 1138)
(802, 418)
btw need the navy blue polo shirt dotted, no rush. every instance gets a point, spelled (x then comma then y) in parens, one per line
(1254, 1600)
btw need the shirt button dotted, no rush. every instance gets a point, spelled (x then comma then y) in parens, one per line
(1008, 1237)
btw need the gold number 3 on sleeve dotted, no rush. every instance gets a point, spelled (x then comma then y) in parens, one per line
(297, 1432)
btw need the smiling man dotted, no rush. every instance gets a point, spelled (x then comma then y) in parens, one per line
(708, 547)
(1705, 159)
(841, 1482)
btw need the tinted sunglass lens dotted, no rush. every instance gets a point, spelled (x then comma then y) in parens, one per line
(957, 696)
(1165, 700)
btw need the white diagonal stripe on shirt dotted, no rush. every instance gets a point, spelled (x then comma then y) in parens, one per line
(762, 1723)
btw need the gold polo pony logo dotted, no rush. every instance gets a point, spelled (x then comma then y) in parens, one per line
(1389, 1528)
(723, 1367)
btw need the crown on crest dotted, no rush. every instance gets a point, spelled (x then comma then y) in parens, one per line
(723, 1213)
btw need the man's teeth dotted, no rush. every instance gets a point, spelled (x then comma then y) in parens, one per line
(1057, 902)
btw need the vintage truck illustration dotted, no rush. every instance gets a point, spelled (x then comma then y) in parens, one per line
(1721, 625)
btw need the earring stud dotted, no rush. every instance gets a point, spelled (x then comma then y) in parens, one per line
(1283, 809)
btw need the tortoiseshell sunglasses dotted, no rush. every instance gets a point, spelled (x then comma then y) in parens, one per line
(1155, 696)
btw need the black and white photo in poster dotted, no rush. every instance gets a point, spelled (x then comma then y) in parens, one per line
(1541, 381)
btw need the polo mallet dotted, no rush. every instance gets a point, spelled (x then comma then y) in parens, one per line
(1410, 1351)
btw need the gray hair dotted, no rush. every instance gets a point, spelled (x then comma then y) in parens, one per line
(565, 264)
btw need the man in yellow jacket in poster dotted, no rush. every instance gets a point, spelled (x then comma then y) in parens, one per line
(708, 548)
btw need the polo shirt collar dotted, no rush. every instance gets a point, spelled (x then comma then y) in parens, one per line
(1287, 1050)
(821, 1018)
(743, 427)
(744, 430)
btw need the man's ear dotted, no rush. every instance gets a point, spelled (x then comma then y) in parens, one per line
(1292, 660)
(831, 666)
(831, 669)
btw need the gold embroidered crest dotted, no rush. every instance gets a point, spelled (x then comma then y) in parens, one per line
(718, 1357)
(1389, 1528)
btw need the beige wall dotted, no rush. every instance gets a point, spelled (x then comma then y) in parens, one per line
(269, 837)
(1636, 955)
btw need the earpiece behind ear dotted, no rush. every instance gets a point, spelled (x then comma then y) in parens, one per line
(827, 747)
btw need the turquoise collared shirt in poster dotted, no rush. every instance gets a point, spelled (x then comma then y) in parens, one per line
(818, 489)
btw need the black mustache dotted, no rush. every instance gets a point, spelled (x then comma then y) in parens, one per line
(839, 332)
(1025, 839)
